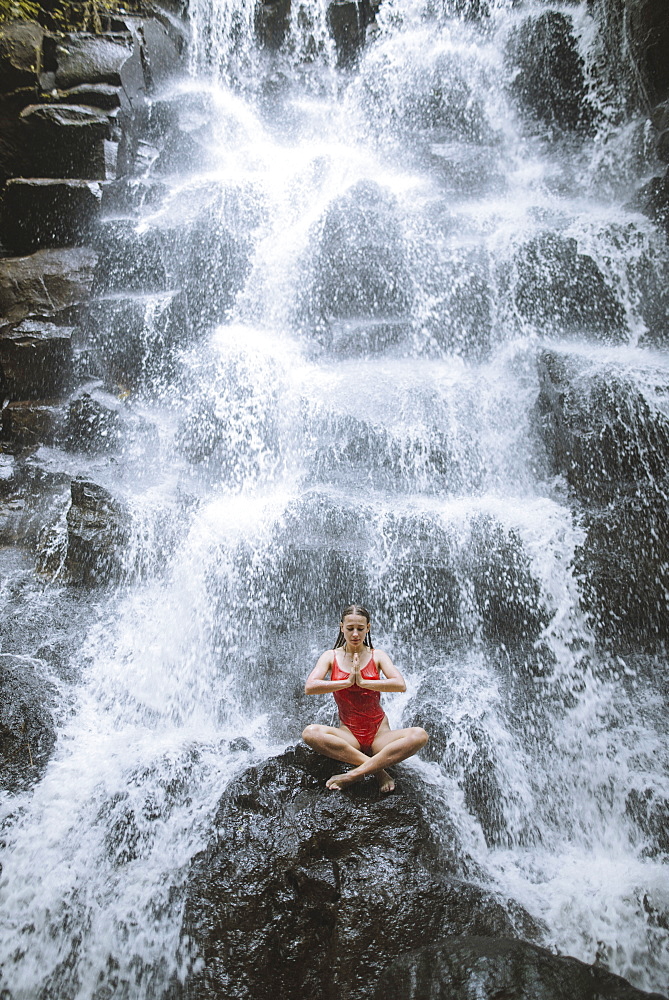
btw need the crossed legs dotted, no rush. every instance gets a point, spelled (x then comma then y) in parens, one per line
(390, 746)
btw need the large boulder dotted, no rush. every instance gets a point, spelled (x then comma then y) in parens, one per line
(607, 432)
(559, 289)
(38, 213)
(108, 58)
(35, 359)
(20, 55)
(305, 892)
(65, 140)
(461, 968)
(360, 268)
(548, 79)
(27, 729)
(636, 37)
(272, 22)
(98, 528)
(348, 21)
(30, 423)
(45, 282)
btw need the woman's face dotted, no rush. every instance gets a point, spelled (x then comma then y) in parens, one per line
(355, 628)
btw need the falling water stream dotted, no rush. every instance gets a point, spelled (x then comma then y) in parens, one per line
(354, 417)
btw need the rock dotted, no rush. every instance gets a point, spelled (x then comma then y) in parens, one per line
(348, 21)
(607, 432)
(128, 260)
(603, 432)
(460, 968)
(548, 80)
(559, 288)
(134, 336)
(65, 140)
(94, 422)
(20, 55)
(35, 359)
(654, 200)
(31, 423)
(27, 729)
(360, 266)
(47, 213)
(636, 36)
(314, 868)
(127, 196)
(272, 21)
(98, 528)
(97, 95)
(45, 282)
(113, 59)
(162, 52)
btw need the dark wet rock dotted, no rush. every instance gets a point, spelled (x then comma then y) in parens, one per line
(548, 79)
(65, 140)
(507, 596)
(348, 21)
(623, 567)
(134, 336)
(558, 288)
(94, 422)
(209, 262)
(654, 200)
(650, 811)
(30, 423)
(27, 729)
(272, 21)
(98, 527)
(607, 432)
(461, 290)
(163, 51)
(113, 59)
(360, 266)
(458, 968)
(128, 260)
(20, 55)
(35, 359)
(95, 95)
(605, 428)
(45, 282)
(334, 884)
(636, 37)
(126, 196)
(240, 745)
(47, 213)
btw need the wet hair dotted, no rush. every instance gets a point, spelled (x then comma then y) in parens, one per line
(354, 609)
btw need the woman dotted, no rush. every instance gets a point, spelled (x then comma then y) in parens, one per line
(364, 737)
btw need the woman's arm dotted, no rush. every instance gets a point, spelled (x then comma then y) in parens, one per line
(316, 683)
(393, 680)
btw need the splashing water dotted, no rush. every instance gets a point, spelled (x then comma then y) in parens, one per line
(353, 414)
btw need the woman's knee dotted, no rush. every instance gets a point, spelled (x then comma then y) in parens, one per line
(311, 734)
(419, 736)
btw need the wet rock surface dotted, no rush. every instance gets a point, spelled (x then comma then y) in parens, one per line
(27, 728)
(609, 436)
(334, 885)
(97, 531)
(455, 968)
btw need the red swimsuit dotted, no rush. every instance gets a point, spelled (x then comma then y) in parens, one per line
(359, 708)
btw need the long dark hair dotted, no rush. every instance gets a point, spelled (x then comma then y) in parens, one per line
(353, 609)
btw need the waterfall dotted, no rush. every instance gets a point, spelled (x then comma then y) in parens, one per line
(368, 267)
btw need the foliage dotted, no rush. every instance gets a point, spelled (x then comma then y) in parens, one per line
(67, 15)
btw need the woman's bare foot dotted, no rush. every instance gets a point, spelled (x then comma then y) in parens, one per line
(339, 781)
(386, 783)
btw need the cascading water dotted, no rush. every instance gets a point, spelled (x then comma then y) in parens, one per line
(373, 261)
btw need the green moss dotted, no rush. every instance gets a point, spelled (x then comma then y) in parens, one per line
(69, 15)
